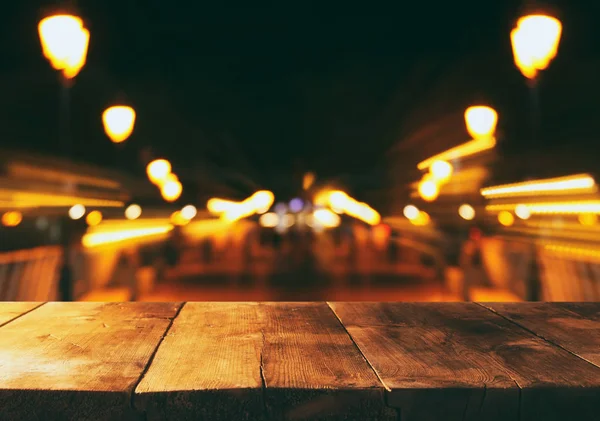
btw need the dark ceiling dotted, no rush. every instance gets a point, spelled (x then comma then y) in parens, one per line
(253, 96)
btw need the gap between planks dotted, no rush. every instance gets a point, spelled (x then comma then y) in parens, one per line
(151, 359)
(537, 335)
(385, 386)
(22, 314)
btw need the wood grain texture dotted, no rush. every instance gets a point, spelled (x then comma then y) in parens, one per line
(207, 367)
(313, 370)
(431, 361)
(12, 310)
(78, 361)
(573, 326)
(434, 356)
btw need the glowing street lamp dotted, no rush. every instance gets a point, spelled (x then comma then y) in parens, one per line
(171, 190)
(481, 121)
(158, 170)
(441, 171)
(429, 190)
(118, 122)
(535, 43)
(64, 42)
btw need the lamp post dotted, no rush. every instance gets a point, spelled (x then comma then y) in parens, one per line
(535, 41)
(64, 42)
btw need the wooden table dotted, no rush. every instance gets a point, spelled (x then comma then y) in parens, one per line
(299, 361)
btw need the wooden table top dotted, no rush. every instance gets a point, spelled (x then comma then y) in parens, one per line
(299, 361)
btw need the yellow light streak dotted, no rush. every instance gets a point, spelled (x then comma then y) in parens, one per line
(572, 184)
(552, 208)
(95, 239)
(471, 147)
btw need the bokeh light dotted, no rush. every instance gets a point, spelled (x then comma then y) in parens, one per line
(158, 170)
(466, 212)
(522, 212)
(429, 190)
(94, 218)
(118, 122)
(77, 212)
(506, 218)
(189, 212)
(133, 212)
(411, 212)
(12, 218)
(269, 220)
(441, 171)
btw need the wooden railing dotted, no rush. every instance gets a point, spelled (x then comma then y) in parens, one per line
(559, 273)
(30, 275)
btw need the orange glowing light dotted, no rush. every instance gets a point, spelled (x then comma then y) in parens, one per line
(93, 218)
(158, 170)
(429, 190)
(118, 122)
(506, 218)
(535, 43)
(64, 43)
(12, 218)
(481, 121)
(171, 190)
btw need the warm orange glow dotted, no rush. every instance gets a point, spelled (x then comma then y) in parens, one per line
(429, 190)
(269, 220)
(469, 148)
(535, 43)
(94, 218)
(64, 43)
(118, 122)
(12, 218)
(421, 220)
(506, 218)
(411, 212)
(441, 171)
(115, 234)
(216, 205)
(338, 199)
(466, 212)
(481, 121)
(133, 212)
(77, 211)
(523, 212)
(572, 184)
(158, 170)
(189, 212)
(262, 201)
(588, 219)
(178, 219)
(308, 180)
(326, 218)
(171, 190)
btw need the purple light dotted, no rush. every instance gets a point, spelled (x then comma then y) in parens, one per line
(280, 208)
(296, 205)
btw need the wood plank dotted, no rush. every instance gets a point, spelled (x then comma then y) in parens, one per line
(11, 310)
(457, 361)
(78, 361)
(313, 370)
(573, 326)
(207, 367)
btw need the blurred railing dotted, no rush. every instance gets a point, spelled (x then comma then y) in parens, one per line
(30, 275)
(555, 271)
(117, 260)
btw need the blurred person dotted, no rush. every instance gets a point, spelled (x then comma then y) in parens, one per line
(471, 263)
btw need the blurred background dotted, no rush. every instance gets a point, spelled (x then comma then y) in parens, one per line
(181, 151)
